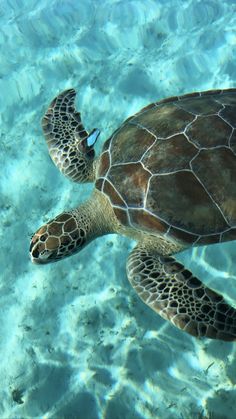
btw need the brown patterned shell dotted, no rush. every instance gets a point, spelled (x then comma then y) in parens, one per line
(171, 168)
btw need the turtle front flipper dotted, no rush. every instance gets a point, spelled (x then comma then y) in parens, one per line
(69, 144)
(174, 293)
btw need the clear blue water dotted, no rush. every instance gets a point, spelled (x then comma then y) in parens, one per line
(75, 339)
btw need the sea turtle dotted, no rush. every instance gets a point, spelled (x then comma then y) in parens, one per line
(166, 178)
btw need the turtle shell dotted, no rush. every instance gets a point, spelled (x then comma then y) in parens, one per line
(171, 168)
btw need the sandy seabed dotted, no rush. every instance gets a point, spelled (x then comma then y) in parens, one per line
(76, 341)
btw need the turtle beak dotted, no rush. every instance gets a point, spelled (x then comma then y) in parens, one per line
(33, 252)
(34, 255)
(38, 253)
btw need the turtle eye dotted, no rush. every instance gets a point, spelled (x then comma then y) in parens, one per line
(43, 238)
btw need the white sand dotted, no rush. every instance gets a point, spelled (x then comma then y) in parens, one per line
(75, 339)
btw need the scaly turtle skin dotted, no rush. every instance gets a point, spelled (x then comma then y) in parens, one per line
(165, 178)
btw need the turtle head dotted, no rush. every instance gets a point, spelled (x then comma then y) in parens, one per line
(59, 238)
(71, 231)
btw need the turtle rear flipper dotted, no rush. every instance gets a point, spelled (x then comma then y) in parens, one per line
(69, 144)
(174, 293)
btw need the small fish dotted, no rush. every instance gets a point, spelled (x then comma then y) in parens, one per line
(92, 137)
